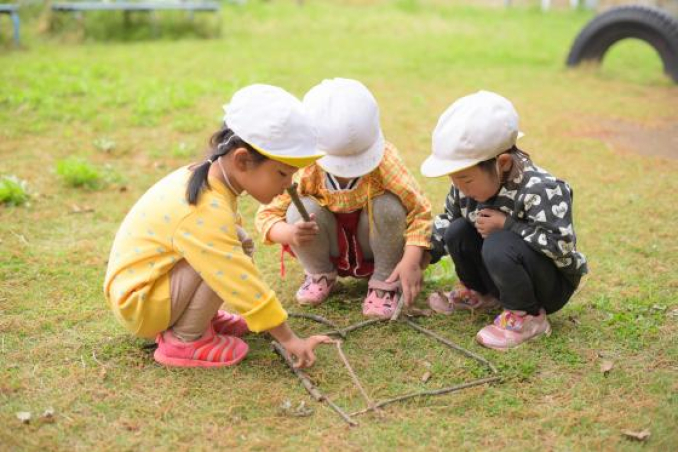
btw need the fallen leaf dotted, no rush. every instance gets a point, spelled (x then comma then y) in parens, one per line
(24, 417)
(637, 436)
(77, 209)
(48, 416)
(426, 377)
(606, 367)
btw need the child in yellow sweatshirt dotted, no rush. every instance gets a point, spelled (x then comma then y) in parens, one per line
(181, 252)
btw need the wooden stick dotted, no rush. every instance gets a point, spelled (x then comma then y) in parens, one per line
(369, 401)
(292, 191)
(451, 344)
(353, 327)
(399, 308)
(317, 318)
(308, 384)
(427, 393)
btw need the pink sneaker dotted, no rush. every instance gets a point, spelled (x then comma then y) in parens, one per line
(211, 350)
(316, 288)
(511, 329)
(461, 299)
(229, 324)
(381, 300)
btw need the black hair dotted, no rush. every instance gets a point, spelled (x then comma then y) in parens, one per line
(517, 155)
(221, 143)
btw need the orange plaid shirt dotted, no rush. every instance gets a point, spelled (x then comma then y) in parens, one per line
(391, 175)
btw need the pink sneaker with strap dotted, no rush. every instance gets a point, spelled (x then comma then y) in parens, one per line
(461, 298)
(382, 299)
(229, 324)
(510, 329)
(211, 350)
(316, 288)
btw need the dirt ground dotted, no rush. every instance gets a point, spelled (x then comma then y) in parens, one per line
(658, 140)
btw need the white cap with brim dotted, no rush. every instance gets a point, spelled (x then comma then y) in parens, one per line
(473, 129)
(346, 117)
(273, 122)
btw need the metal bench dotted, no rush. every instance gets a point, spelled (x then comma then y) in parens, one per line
(13, 12)
(77, 8)
(135, 6)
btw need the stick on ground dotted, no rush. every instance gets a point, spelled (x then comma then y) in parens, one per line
(433, 392)
(451, 344)
(310, 387)
(319, 319)
(356, 381)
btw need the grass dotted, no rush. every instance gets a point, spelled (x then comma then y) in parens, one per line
(13, 191)
(158, 100)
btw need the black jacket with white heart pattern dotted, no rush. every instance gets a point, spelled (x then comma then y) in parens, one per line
(538, 208)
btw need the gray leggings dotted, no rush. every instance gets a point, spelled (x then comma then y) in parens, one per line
(385, 244)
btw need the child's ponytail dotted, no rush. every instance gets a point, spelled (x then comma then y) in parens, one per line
(221, 143)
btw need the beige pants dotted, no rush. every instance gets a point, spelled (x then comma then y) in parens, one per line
(193, 303)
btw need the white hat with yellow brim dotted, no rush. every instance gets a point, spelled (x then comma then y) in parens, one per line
(473, 129)
(273, 122)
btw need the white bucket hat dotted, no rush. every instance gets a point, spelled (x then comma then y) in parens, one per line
(473, 129)
(273, 122)
(346, 117)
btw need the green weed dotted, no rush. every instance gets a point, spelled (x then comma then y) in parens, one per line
(13, 191)
(79, 173)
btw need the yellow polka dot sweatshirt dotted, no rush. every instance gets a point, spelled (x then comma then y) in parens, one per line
(159, 231)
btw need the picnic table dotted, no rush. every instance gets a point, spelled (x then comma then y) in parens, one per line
(13, 12)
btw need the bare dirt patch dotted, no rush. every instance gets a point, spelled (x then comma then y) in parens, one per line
(658, 140)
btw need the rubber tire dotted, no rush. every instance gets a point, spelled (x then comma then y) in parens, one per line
(652, 25)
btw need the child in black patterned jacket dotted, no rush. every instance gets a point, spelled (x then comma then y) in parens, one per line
(507, 223)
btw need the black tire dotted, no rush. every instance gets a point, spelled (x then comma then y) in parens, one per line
(648, 24)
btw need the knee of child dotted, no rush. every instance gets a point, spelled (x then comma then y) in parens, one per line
(457, 232)
(494, 251)
(388, 209)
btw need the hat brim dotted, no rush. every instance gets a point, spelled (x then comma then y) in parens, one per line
(355, 165)
(437, 167)
(295, 161)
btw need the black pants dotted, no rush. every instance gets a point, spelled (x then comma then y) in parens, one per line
(505, 266)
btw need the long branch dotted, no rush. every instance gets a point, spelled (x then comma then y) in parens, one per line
(427, 393)
(452, 345)
(319, 319)
(308, 384)
(356, 381)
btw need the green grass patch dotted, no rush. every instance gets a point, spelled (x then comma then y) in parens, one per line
(124, 108)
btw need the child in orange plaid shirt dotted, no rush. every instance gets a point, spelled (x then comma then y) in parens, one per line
(369, 218)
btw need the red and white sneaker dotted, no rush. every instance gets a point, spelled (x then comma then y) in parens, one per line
(510, 329)
(316, 288)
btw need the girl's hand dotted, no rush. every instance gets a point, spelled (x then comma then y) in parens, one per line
(410, 276)
(304, 232)
(302, 349)
(489, 221)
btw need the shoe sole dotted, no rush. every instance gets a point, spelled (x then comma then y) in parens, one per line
(183, 362)
(546, 333)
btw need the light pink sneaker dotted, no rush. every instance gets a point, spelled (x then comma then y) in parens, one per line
(381, 300)
(510, 329)
(461, 299)
(316, 288)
